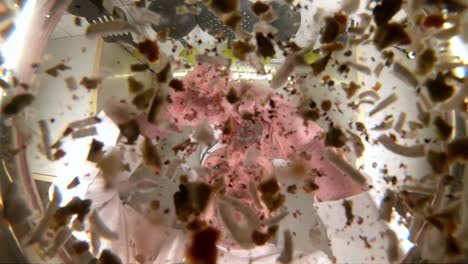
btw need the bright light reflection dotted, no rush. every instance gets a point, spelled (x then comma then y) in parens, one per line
(12, 49)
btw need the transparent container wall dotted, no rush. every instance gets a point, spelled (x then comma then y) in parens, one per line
(233, 131)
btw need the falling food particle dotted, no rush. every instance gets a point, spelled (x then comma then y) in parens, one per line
(387, 123)
(433, 20)
(369, 93)
(71, 83)
(390, 34)
(90, 83)
(134, 86)
(412, 151)
(348, 208)
(233, 20)
(405, 74)
(333, 28)
(309, 186)
(335, 137)
(58, 154)
(270, 194)
(384, 104)
(232, 96)
(378, 69)
(386, 205)
(149, 49)
(155, 107)
(202, 247)
(89, 121)
(358, 146)
(292, 189)
(319, 65)
(107, 257)
(163, 74)
(150, 155)
(95, 151)
(359, 67)
(241, 49)
(286, 255)
(130, 130)
(426, 61)
(54, 71)
(17, 104)
(345, 167)
(191, 199)
(366, 242)
(177, 85)
(85, 132)
(438, 88)
(75, 182)
(264, 46)
(384, 11)
(444, 129)
(140, 67)
(352, 89)
(326, 105)
(45, 136)
(260, 8)
(109, 28)
(223, 6)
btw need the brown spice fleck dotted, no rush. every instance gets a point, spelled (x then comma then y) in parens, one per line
(292, 189)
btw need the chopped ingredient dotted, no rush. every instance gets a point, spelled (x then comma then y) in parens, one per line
(345, 167)
(85, 132)
(352, 89)
(433, 20)
(413, 151)
(191, 199)
(264, 46)
(348, 208)
(45, 135)
(95, 151)
(386, 205)
(426, 61)
(241, 49)
(89, 121)
(384, 104)
(405, 74)
(142, 100)
(260, 8)
(458, 149)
